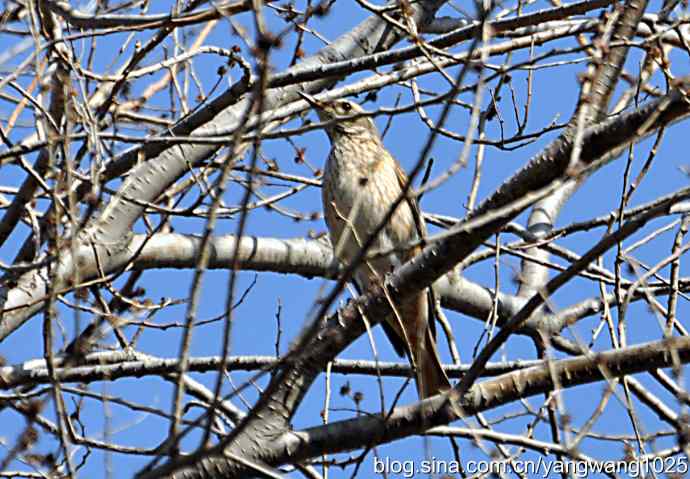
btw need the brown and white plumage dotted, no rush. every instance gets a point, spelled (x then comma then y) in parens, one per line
(361, 181)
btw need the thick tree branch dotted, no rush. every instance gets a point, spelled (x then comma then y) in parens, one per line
(79, 19)
(595, 97)
(367, 431)
(109, 366)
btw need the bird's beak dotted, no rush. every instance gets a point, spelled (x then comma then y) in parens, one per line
(311, 100)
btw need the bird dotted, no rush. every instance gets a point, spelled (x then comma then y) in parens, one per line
(361, 181)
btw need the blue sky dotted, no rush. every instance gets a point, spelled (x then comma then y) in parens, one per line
(254, 330)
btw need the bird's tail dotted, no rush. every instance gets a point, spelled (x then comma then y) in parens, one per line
(416, 328)
(431, 378)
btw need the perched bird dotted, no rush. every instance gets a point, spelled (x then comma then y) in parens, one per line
(361, 182)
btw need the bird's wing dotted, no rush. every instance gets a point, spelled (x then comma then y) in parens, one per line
(414, 206)
(422, 233)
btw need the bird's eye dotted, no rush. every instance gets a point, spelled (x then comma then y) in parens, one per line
(346, 106)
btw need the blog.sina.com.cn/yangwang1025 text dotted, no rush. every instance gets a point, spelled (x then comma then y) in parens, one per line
(540, 467)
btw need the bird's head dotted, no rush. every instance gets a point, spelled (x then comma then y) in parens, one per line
(344, 114)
